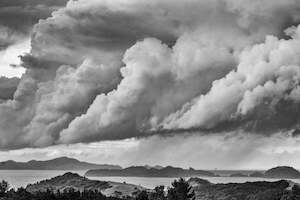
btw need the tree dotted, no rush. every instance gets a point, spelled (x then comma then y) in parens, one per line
(158, 193)
(296, 189)
(143, 195)
(4, 186)
(181, 190)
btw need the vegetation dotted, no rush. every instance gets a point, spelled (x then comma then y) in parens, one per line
(158, 193)
(263, 190)
(179, 190)
(68, 180)
(67, 194)
(4, 186)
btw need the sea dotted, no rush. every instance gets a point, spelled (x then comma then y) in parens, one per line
(21, 178)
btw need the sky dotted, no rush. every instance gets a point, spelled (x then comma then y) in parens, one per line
(9, 58)
(191, 83)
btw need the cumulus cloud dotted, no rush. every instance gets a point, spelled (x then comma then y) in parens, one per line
(263, 85)
(108, 70)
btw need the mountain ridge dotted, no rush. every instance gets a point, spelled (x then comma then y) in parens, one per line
(60, 163)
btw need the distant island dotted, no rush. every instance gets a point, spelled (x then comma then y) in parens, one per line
(238, 175)
(281, 172)
(62, 163)
(142, 171)
(100, 170)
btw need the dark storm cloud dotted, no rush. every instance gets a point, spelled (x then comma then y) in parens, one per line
(108, 70)
(18, 16)
(8, 86)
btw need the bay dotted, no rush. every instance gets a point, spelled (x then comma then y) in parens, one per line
(21, 178)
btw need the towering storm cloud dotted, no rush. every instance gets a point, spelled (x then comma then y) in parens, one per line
(17, 18)
(108, 70)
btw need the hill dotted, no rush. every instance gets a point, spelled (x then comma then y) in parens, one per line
(62, 163)
(250, 190)
(203, 189)
(257, 174)
(141, 171)
(283, 172)
(196, 182)
(238, 175)
(79, 183)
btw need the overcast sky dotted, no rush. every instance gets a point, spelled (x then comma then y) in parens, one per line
(207, 84)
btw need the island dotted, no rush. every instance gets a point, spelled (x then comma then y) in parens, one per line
(282, 172)
(238, 175)
(61, 163)
(142, 171)
(257, 175)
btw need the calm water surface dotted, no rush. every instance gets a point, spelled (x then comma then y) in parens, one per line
(20, 178)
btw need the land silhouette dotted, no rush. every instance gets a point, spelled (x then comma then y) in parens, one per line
(74, 187)
(61, 163)
(141, 171)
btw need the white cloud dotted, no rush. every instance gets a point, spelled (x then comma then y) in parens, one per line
(101, 70)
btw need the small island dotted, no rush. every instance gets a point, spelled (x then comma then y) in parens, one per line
(282, 172)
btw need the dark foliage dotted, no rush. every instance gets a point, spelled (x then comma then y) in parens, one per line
(4, 186)
(181, 190)
(296, 189)
(67, 194)
(248, 191)
(142, 196)
(158, 193)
